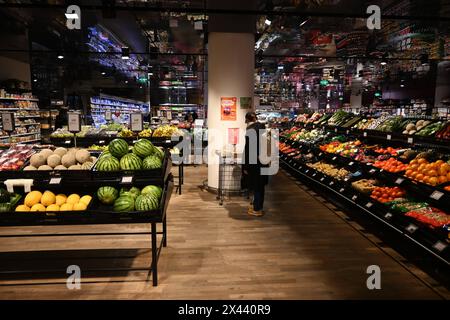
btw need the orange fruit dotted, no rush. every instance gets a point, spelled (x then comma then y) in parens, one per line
(413, 161)
(414, 174)
(422, 161)
(442, 179)
(439, 162)
(432, 173)
(442, 171)
(419, 177)
(433, 181)
(408, 173)
(448, 176)
(414, 166)
(426, 179)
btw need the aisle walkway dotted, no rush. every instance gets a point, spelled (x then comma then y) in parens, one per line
(299, 250)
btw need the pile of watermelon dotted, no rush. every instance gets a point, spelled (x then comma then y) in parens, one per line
(131, 199)
(119, 156)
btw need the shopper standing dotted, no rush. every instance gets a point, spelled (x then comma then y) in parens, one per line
(254, 180)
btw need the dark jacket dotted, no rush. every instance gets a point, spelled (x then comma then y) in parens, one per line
(252, 165)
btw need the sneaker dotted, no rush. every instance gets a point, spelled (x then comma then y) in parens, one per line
(254, 213)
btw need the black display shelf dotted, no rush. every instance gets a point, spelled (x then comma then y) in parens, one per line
(432, 240)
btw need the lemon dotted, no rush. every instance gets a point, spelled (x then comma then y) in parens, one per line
(86, 200)
(80, 206)
(22, 208)
(60, 199)
(73, 198)
(53, 207)
(48, 198)
(32, 198)
(38, 207)
(66, 207)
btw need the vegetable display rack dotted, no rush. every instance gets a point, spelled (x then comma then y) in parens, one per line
(97, 213)
(433, 241)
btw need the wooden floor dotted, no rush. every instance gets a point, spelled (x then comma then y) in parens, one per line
(300, 250)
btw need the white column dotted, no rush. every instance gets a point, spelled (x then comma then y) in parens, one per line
(230, 74)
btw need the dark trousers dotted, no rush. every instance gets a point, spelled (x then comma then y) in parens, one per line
(258, 198)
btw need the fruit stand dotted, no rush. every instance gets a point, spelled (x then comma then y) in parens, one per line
(137, 191)
(400, 179)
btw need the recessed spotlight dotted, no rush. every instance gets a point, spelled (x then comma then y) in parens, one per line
(126, 81)
(402, 86)
(60, 56)
(35, 80)
(103, 73)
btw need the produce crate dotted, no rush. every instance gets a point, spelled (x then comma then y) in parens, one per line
(96, 212)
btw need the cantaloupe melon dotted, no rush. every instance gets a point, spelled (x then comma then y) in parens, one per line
(75, 167)
(60, 151)
(46, 153)
(45, 168)
(54, 160)
(37, 160)
(68, 160)
(82, 156)
(60, 167)
(29, 168)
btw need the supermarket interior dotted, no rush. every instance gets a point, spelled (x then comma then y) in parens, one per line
(206, 149)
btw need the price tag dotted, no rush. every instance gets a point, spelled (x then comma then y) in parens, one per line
(410, 140)
(354, 197)
(334, 159)
(108, 115)
(436, 195)
(411, 228)
(101, 141)
(307, 171)
(321, 179)
(372, 171)
(388, 137)
(331, 183)
(365, 134)
(320, 154)
(168, 141)
(169, 115)
(342, 190)
(440, 246)
(346, 179)
(8, 121)
(67, 142)
(55, 180)
(335, 130)
(136, 122)
(315, 174)
(388, 215)
(74, 122)
(127, 179)
(351, 163)
(369, 205)
(348, 131)
(399, 181)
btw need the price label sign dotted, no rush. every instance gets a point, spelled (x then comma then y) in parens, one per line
(67, 142)
(315, 174)
(321, 179)
(8, 121)
(388, 215)
(108, 115)
(335, 130)
(348, 131)
(136, 122)
(440, 246)
(369, 205)
(351, 163)
(372, 171)
(411, 228)
(354, 197)
(389, 137)
(334, 159)
(169, 115)
(436, 195)
(365, 134)
(55, 180)
(342, 190)
(127, 179)
(307, 171)
(101, 141)
(74, 122)
(410, 140)
(399, 181)
(331, 183)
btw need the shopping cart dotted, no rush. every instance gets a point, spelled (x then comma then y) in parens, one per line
(230, 173)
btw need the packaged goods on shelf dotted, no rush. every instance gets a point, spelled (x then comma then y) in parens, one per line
(15, 157)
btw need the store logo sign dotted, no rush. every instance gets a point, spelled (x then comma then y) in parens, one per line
(374, 280)
(73, 16)
(374, 20)
(74, 280)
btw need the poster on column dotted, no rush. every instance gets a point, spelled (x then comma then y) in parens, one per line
(228, 108)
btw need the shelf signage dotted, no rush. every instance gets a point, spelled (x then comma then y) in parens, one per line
(369, 205)
(74, 122)
(354, 197)
(388, 215)
(365, 134)
(440, 246)
(342, 190)
(228, 108)
(331, 183)
(399, 181)
(55, 180)
(8, 121)
(127, 179)
(436, 195)
(108, 115)
(136, 122)
(410, 140)
(411, 228)
(389, 137)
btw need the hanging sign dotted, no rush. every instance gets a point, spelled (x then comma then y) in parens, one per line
(8, 121)
(245, 102)
(169, 115)
(233, 136)
(228, 108)
(108, 115)
(74, 122)
(136, 120)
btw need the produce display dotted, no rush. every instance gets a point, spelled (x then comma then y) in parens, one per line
(430, 216)
(413, 127)
(143, 155)
(8, 200)
(391, 165)
(365, 186)
(15, 157)
(387, 194)
(131, 199)
(167, 131)
(48, 201)
(432, 173)
(329, 170)
(61, 159)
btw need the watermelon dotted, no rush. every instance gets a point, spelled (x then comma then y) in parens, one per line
(124, 203)
(133, 191)
(118, 148)
(147, 203)
(108, 163)
(152, 162)
(143, 148)
(159, 152)
(130, 161)
(105, 153)
(152, 190)
(107, 194)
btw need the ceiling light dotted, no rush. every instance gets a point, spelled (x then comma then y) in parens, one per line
(402, 85)
(125, 53)
(303, 23)
(126, 81)
(103, 73)
(35, 80)
(60, 56)
(268, 22)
